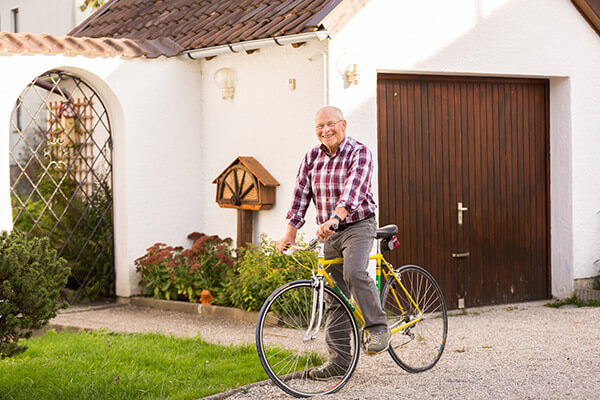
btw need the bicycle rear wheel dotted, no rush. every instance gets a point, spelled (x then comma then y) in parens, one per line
(285, 350)
(421, 326)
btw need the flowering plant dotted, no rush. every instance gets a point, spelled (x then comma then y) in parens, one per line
(175, 273)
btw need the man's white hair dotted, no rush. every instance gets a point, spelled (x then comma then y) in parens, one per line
(339, 112)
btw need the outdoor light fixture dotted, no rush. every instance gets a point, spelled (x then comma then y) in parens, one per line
(225, 80)
(352, 74)
(349, 66)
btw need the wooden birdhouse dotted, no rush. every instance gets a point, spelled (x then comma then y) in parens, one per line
(246, 185)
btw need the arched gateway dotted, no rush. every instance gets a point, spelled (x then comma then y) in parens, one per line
(60, 157)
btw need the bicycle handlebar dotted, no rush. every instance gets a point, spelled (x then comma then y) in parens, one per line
(291, 249)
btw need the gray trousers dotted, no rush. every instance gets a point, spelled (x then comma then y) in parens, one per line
(354, 244)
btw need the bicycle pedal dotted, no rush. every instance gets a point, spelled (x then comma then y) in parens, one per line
(373, 353)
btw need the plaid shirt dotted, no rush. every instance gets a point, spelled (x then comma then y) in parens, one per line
(343, 180)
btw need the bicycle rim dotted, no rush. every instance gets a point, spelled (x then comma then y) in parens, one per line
(284, 350)
(419, 345)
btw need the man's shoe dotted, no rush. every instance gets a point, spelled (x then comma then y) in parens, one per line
(327, 371)
(378, 342)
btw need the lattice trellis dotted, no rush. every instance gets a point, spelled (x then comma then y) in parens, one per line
(61, 177)
(66, 133)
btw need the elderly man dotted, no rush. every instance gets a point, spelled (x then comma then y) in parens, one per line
(336, 176)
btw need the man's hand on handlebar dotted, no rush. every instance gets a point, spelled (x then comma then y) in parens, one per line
(327, 229)
(288, 239)
(284, 244)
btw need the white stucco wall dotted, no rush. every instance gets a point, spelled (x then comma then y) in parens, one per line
(266, 120)
(534, 38)
(155, 110)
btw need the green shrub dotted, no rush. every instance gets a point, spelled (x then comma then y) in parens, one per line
(259, 271)
(174, 273)
(31, 278)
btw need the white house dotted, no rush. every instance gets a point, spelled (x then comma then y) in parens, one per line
(56, 17)
(488, 103)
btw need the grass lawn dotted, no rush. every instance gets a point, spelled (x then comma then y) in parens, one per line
(104, 365)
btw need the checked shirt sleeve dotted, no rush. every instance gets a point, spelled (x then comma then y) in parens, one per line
(302, 196)
(358, 180)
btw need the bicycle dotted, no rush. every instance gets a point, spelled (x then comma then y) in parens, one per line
(291, 332)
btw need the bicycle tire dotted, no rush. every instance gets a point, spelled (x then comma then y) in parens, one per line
(286, 355)
(419, 346)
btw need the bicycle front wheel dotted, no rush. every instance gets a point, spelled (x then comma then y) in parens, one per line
(416, 314)
(288, 349)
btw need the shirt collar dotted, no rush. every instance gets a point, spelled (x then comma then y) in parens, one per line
(326, 151)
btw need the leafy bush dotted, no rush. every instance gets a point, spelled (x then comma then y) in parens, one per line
(31, 278)
(259, 271)
(174, 273)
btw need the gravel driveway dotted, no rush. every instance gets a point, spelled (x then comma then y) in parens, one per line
(522, 351)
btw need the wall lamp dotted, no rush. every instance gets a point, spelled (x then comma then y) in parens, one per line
(352, 74)
(349, 65)
(225, 80)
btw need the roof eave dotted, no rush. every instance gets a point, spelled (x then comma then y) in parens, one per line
(337, 14)
(590, 11)
(252, 45)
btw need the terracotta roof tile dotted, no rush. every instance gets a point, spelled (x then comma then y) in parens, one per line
(105, 47)
(270, 26)
(235, 33)
(300, 25)
(193, 23)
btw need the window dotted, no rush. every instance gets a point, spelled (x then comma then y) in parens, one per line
(15, 19)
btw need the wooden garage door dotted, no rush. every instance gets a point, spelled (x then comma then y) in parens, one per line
(482, 143)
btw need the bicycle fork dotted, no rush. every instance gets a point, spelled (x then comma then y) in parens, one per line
(317, 301)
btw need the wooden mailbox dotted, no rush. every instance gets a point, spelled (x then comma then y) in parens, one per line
(247, 186)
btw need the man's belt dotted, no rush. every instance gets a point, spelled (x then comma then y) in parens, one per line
(349, 224)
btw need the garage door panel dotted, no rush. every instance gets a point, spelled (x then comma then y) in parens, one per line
(482, 142)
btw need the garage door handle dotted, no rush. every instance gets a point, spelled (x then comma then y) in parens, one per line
(461, 209)
(461, 255)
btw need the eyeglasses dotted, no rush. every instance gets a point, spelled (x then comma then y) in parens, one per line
(330, 125)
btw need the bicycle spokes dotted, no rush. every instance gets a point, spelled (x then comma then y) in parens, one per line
(302, 326)
(416, 314)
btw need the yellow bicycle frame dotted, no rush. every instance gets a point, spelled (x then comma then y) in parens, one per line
(388, 273)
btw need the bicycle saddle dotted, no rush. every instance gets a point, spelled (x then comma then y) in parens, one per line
(386, 232)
